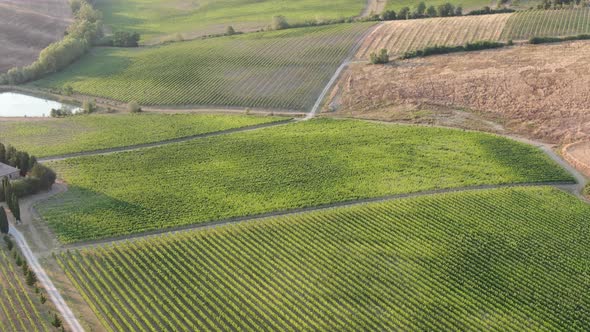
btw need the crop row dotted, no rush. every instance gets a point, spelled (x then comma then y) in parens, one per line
(82, 133)
(280, 70)
(399, 37)
(18, 310)
(280, 168)
(547, 23)
(504, 259)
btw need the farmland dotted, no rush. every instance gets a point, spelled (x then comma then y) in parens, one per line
(543, 23)
(292, 166)
(284, 69)
(20, 307)
(402, 36)
(28, 26)
(494, 260)
(49, 137)
(536, 90)
(159, 20)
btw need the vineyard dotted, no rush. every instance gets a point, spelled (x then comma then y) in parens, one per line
(547, 23)
(493, 260)
(284, 69)
(159, 20)
(280, 168)
(20, 307)
(399, 37)
(50, 137)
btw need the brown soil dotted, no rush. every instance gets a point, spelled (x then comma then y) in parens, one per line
(540, 91)
(27, 27)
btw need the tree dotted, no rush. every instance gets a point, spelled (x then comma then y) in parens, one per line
(459, 11)
(45, 175)
(14, 206)
(404, 13)
(133, 107)
(126, 39)
(431, 11)
(22, 162)
(388, 15)
(2, 153)
(56, 322)
(279, 22)
(30, 278)
(229, 31)
(420, 9)
(89, 106)
(3, 221)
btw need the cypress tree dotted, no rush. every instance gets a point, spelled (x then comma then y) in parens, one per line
(3, 221)
(14, 206)
(2, 153)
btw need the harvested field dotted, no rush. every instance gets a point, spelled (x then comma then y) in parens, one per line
(27, 27)
(402, 36)
(539, 90)
(578, 154)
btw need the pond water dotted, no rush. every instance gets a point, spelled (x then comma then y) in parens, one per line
(19, 105)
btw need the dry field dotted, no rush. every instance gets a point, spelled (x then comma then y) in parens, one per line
(27, 27)
(402, 36)
(542, 91)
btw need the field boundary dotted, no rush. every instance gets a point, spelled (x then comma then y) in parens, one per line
(164, 142)
(564, 186)
(580, 165)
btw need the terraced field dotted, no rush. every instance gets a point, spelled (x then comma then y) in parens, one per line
(495, 260)
(284, 69)
(402, 36)
(20, 307)
(541, 23)
(292, 166)
(50, 137)
(159, 20)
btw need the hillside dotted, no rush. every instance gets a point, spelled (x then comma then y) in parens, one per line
(27, 27)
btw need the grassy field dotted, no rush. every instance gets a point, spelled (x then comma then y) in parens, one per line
(542, 23)
(297, 165)
(284, 69)
(494, 260)
(20, 307)
(158, 20)
(49, 137)
(402, 36)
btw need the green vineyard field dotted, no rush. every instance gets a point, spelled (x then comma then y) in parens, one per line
(20, 308)
(493, 260)
(83, 133)
(547, 23)
(284, 69)
(158, 20)
(281, 168)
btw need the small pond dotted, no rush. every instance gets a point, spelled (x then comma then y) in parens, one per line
(19, 105)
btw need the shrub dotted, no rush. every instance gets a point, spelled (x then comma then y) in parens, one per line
(89, 106)
(133, 107)
(279, 22)
(125, 39)
(229, 31)
(381, 58)
(388, 15)
(432, 50)
(45, 175)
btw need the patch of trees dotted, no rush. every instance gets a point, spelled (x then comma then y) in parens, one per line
(487, 11)
(558, 4)
(432, 50)
(121, 39)
(544, 40)
(79, 37)
(10, 197)
(422, 11)
(37, 177)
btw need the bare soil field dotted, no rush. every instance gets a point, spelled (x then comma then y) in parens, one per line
(540, 91)
(27, 27)
(402, 36)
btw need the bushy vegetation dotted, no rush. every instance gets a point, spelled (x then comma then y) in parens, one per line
(81, 34)
(487, 11)
(36, 177)
(544, 40)
(100, 131)
(284, 69)
(494, 260)
(381, 58)
(296, 165)
(433, 50)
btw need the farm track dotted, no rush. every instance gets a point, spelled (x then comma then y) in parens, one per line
(66, 313)
(161, 143)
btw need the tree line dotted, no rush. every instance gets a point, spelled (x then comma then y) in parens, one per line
(37, 177)
(79, 38)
